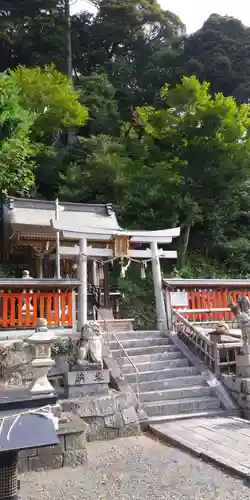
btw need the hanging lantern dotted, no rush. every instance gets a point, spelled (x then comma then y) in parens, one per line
(143, 270)
(121, 246)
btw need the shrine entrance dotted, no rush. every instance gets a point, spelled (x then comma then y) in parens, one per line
(122, 246)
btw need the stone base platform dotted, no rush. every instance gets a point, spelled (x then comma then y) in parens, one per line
(71, 451)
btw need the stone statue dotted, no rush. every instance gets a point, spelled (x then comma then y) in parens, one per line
(242, 312)
(26, 276)
(90, 346)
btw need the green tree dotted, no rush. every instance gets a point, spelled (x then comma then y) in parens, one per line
(219, 53)
(16, 149)
(205, 140)
(50, 97)
(134, 43)
(92, 170)
(99, 96)
(32, 33)
(50, 94)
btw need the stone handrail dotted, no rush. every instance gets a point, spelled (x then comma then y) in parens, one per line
(219, 357)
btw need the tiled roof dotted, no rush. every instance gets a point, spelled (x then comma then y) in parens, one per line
(38, 214)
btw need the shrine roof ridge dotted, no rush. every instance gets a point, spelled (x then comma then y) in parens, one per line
(33, 203)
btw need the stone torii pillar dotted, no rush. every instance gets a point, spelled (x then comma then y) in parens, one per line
(159, 299)
(83, 288)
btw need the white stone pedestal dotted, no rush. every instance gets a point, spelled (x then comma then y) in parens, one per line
(84, 381)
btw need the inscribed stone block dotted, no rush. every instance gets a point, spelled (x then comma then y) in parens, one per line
(129, 416)
(85, 377)
(114, 421)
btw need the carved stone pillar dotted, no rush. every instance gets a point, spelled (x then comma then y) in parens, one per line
(41, 358)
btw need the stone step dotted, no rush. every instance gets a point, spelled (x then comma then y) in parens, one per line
(155, 366)
(183, 405)
(160, 356)
(147, 376)
(171, 394)
(130, 343)
(170, 383)
(138, 334)
(137, 351)
(160, 419)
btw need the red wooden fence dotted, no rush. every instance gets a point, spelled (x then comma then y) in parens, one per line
(23, 309)
(212, 299)
(208, 294)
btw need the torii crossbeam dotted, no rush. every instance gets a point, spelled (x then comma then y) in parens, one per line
(83, 250)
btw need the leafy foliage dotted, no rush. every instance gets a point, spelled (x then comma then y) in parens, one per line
(219, 53)
(16, 149)
(159, 119)
(49, 94)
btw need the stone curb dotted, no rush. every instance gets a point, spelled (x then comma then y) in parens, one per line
(206, 457)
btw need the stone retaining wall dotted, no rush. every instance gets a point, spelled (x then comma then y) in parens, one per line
(239, 387)
(101, 417)
(108, 416)
(70, 451)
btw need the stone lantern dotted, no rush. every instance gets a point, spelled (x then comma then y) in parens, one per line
(41, 362)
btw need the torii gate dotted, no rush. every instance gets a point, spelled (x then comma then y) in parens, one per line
(83, 251)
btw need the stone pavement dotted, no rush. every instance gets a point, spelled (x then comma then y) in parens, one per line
(223, 440)
(136, 468)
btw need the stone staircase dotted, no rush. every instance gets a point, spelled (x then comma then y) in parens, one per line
(169, 387)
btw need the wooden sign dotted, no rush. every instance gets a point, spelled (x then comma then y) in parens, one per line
(179, 299)
(121, 246)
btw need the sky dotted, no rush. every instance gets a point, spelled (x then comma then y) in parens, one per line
(193, 13)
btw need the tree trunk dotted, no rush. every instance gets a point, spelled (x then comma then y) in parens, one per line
(184, 247)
